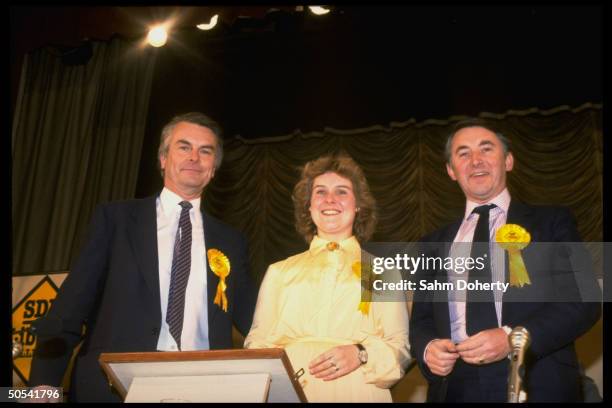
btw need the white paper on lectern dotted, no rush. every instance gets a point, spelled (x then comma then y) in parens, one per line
(205, 388)
(281, 388)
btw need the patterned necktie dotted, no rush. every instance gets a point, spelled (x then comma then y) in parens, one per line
(480, 307)
(181, 265)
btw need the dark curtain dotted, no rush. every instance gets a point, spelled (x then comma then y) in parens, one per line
(558, 160)
(372, 66)
(76, 141)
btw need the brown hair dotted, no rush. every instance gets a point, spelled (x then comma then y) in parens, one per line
(343, 165)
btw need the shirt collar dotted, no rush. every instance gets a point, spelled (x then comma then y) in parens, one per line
(170, 201)
(502, 201)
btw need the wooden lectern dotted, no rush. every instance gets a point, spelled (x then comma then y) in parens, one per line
(254, 375)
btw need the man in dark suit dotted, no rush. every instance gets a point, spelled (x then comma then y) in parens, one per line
(150, 275)
(460, 338)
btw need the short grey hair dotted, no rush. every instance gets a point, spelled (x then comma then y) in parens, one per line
(474, 122)
(196, 118)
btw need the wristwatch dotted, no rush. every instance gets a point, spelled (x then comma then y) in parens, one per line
(363, 354)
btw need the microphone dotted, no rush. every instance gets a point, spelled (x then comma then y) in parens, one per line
(519, 342)
(17, 349)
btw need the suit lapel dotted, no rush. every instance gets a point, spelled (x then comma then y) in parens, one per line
(449, 234)
(143, 238)
(518, 213)
(212, 280)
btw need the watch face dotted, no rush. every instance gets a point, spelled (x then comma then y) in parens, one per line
(363, 356)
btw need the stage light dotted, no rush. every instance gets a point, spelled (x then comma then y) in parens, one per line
(210, 25)
(157, 36)
(318, 10)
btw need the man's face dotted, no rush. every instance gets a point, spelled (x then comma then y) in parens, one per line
(189, 164)
(478, 163)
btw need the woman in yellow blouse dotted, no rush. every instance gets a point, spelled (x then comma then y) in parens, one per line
(310, 303)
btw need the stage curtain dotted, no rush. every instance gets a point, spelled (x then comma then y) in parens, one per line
(558, 160)
(76, 140)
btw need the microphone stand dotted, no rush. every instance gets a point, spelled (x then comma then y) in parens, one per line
(519, 342)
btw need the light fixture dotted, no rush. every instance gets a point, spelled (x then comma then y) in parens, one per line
(210, 25)
(157, 36)
(318, 10)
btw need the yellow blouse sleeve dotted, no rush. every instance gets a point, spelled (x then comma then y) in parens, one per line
(266, 311)
(388, 348)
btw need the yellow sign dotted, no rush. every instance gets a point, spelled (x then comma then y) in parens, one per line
(32, 306)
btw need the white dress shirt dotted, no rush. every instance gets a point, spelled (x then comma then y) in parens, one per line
(195, 322)
(497, 218)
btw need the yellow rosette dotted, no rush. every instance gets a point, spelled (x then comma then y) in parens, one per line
(220, 266)
(513, 238)
(364, 306)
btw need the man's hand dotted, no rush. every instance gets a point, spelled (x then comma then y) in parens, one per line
(335, 362)
(487, 346)
(441, 356)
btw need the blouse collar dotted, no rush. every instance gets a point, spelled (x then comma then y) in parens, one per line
(350, 245)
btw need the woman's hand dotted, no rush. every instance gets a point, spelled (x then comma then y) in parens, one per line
(335, 362)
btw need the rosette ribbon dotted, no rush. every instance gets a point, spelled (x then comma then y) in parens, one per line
(220, 266)
(364, 306)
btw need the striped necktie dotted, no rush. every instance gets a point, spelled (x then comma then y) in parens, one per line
(181, 265)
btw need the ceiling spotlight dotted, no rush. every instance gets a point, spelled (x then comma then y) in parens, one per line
(210, 25)
(157, 36)
(318, 10)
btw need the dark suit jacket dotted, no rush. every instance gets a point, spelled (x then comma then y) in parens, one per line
(551, 366)
(113, 289)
